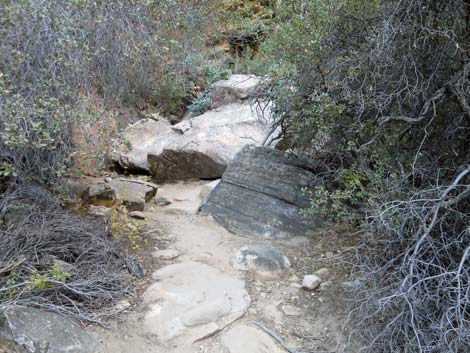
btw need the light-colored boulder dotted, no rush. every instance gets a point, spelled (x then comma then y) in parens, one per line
(236, 88)
(247, 339)
(140, 138)
(192, 300)
(133, 193)
(203, 150)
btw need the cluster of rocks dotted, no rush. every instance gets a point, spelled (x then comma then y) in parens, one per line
(198, 147)
(102, 196)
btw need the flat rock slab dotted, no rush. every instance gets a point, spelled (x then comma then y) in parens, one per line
(37, 328)
(262, 194)
(192, 300)
(133, 193)
(247, 339)
(265, 260)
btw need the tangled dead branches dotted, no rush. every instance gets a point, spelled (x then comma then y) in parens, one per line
(56, 260)
(414, 292)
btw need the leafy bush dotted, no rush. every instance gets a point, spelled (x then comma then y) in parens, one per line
(63, 64)
(55, 55)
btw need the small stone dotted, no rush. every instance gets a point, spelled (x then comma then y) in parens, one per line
(108, 179)
(291, 310)
(137, 215)
(168, 254)
(323, 272)
(123, 305)
(100, 211)
(162, 201)
(311, 282)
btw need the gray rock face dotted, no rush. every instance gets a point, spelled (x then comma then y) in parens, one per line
(192, 300)
(261, 194)
(236, 88)
(133, 193)
(265, 260)
(204, 146)
(32, 329)
(140, 138)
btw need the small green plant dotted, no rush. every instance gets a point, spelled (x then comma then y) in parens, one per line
(59, 275)
(38, 282)
(201, 104)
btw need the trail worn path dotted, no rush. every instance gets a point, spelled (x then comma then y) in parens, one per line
(197, 299)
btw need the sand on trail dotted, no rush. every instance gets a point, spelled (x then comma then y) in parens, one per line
(280, 304)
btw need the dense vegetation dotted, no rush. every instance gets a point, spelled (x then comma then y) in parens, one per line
(377, 90)
(65, 65)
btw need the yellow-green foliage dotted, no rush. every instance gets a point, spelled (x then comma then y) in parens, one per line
(126, 230)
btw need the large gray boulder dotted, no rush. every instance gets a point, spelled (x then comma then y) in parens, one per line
(140, 138)
(262, 194)
(207, 143)
(34, 330)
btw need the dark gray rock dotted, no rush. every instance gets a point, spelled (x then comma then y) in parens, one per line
(261, 194)
(265, 260)
(173, 165)
(35, 330)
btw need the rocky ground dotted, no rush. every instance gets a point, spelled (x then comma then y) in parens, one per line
(275, 282)
(202, 294)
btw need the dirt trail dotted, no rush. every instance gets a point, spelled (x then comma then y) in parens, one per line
(305, 320)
